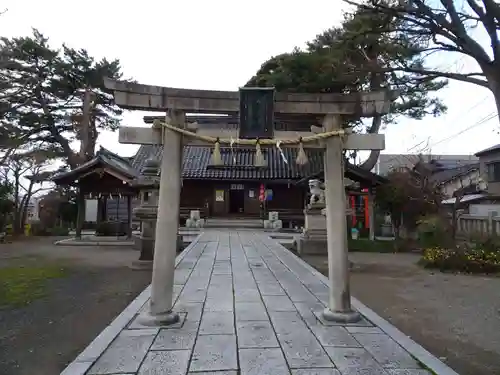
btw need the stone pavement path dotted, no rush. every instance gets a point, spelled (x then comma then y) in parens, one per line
(249, 306)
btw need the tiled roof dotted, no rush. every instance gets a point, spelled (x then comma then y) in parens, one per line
(446, 175)
(196, 163)
(488, 150)
(106, 157)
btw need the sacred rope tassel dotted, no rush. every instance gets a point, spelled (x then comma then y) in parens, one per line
(216, 155)
(259, 157)
(278, 146)
(301, 156)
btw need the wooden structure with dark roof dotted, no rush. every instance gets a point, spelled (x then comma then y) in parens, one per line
(105, 176)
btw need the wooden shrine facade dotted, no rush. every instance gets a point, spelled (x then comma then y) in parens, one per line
(107, 177)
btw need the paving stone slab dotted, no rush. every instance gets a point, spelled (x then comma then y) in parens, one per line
(354, 361)
(259, 362)
(177, 339)
(125, 354)
(316, 371)
(278, 303)
(386, 351)
(214, 373)
(247, 295)
(219, 304)
(408, 372)
(217, 323)
(250, 311)
(214, 353)
(258, 334)
(364, 330)
(172, 362)
(334, 336)
(302, 350)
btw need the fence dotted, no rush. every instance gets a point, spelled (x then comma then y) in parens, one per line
(478, 225)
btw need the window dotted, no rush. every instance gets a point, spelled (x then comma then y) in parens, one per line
(493, 172)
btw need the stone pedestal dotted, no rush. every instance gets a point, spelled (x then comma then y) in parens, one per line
(147, 240)
(273, 221)
(313, 240)
(146, 246)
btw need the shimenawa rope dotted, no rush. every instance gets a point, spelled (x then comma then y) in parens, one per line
(259, 157)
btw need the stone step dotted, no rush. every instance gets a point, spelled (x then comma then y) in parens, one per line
(233, 223)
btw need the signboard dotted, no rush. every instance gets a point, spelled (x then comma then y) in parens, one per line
(219, 195)
(237, 187)
(251, 193)
(256, 112)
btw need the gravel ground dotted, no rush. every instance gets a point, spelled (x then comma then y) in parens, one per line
(455, 317)
(43, 337)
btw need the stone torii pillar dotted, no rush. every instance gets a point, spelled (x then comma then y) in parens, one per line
(339, 306)
(167, 225)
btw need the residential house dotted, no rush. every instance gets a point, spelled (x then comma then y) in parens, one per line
(388, 162)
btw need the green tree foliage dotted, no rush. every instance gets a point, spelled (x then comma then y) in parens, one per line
(449, 26)
(346, 59)
(42, 92)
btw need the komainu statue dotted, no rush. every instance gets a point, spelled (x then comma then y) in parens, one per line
(316, 188)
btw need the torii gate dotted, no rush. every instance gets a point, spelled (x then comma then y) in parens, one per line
(261, 104)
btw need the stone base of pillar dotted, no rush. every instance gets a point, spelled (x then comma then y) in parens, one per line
(165, 319)
(341, 317)
(311, 246)
(313, 240)
(142, 265)
(147, 245)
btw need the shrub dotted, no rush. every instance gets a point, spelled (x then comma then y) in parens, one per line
(462, 259)
(433, 232)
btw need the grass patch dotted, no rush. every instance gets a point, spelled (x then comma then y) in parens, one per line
(21, 285)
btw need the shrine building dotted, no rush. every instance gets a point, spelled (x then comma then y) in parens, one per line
(231, 190)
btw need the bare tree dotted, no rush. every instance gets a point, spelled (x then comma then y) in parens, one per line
(27, 175)
(450, 26)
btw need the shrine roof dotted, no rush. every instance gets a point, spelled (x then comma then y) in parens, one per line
(102, 157)
(238, 165)
(354, 173)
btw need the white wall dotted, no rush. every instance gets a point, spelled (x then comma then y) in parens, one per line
(484, 209)
(463, 181)
(91, 210)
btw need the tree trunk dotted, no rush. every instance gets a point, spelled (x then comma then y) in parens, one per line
(24, 207)
(493, 76)
(454, 223)
(80, 202)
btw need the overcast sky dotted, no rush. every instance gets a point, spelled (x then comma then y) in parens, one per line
(220, 44)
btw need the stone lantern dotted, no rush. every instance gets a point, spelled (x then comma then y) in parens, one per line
(147, 211)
